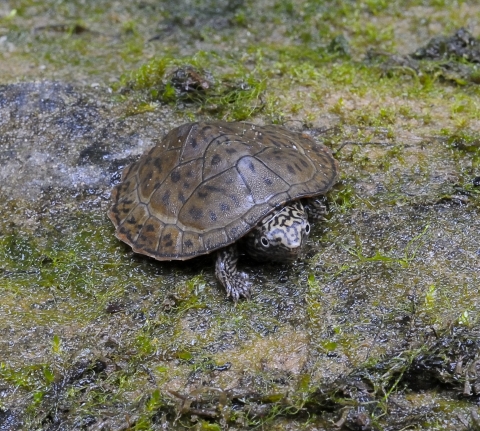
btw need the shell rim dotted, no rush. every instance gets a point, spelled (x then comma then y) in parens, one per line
(197, 254)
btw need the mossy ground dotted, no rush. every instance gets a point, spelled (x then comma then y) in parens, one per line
(97, 338)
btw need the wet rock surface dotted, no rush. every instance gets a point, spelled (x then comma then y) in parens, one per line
(53, 135)
(454, 58)
(461, 46)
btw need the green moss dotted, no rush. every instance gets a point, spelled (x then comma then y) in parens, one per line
(27, 377)
(379, 256)
(233, 95)
(344, 199)
(250, 80)
(464, 142)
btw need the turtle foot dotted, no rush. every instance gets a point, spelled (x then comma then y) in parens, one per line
(238, 286)
(236, 283)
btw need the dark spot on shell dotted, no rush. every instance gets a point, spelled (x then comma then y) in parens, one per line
(224, 207)
(298, 167)
(190, 173)
(235, 200)
(268, 181)
(304, 163)
(213, 216)
(175, 176)
(188, 243)
(214, 189)
(125, 210)
(290, 169)
(251, 167)
(166, 197)
(216, 159)
(181, 197)
(193, 143)
(158, 164)
(202, 195)
(169, 244)
(150, 228)
(167, 237)
(231, 150)
(186, 185)
(139, 226)
(131, 220)
(196, 213)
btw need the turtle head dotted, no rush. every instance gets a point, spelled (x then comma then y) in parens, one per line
(280, 236)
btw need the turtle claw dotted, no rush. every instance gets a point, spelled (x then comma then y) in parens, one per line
(235, 283)
(238, 286)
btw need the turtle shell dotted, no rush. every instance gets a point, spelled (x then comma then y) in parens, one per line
(205, 185)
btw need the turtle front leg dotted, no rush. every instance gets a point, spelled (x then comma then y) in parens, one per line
(316, 208)
(236, 283)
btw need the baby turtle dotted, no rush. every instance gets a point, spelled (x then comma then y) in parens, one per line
(210, 186)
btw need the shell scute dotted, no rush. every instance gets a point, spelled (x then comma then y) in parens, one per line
(168, 199)
(262, 182)
(136, 219)
(124, 207)
(225, 197)
(220, 154)
(148, 236)
(192, 242)
(196, 140)
(153, 170)
(170, 242)
(211, 240)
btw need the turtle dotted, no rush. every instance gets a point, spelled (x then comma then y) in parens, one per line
(218, 186)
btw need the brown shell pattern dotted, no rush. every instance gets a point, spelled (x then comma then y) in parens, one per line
(207, 184)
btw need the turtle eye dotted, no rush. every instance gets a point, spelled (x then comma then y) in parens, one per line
(264, 241)
(307, 228)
